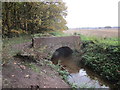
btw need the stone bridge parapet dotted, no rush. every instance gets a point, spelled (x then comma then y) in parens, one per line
(50, 44)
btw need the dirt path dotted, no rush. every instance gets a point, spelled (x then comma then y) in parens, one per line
(24, 73)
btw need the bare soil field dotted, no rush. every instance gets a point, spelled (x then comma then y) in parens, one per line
(95, 32)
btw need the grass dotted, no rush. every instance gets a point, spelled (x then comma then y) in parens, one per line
(7, 51)
(58, 68)
(16, 40)
(53, 33)
(63, 73)
(102, 56)
(58, 33)
(108, 41)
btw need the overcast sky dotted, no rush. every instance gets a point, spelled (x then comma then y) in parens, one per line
(92, 13)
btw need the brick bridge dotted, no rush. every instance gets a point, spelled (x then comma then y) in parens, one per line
(50, 44)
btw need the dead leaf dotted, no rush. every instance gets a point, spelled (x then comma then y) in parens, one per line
(13, 75)
(15, 63)
(27, 76)
(22, 66)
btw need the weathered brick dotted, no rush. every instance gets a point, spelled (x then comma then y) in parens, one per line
(53, 43)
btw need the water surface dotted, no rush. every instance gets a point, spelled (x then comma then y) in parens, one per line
(81, 76)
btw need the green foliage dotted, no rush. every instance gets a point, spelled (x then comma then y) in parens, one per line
(52, 33)
(103, 58)
(63, 73)
(108, 41)
(16, 40)
(8, 43)
(74, 86)
(40, 35)
(58, 33)
(32, 17)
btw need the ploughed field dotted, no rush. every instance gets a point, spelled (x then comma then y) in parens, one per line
(95, 32)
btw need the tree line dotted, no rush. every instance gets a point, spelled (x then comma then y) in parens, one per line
(32, 17)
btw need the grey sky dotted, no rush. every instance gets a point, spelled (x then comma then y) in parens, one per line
(92, 13)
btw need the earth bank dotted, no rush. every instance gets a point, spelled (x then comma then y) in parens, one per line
(30, 69)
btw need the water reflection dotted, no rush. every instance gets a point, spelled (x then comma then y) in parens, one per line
(82, 80)
(82, 77)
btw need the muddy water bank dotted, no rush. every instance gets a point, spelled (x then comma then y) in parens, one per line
(82, 76)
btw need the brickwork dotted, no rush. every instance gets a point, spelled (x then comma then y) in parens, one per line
(50, 44)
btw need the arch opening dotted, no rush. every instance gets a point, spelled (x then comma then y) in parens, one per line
(62, 52)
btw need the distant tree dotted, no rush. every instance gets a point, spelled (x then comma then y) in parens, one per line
(108, 27)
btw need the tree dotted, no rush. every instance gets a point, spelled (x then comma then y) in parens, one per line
(33, 17)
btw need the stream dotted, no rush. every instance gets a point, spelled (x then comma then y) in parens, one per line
(82, 76)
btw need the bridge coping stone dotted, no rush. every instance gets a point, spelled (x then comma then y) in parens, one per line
(52, 43)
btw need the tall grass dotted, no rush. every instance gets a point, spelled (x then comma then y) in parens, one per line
(108, 41)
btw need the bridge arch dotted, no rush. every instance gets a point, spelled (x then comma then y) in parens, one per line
(52, 44)
(62, 52)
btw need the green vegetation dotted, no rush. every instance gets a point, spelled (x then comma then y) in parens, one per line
(62, 72)
(59, 69)
(20, 18)
(58, 33)
(36, 18)
(102, 56)
(8, 52)
(107, 41)
(16, 40)
(52, 33)
(8, 43)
